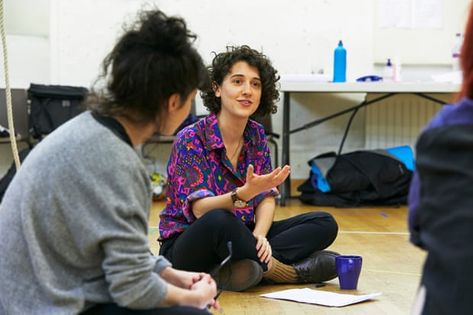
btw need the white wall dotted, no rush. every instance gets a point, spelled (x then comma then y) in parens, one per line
(298, 36)
(28, 60)
(26, 24)
(27, 17)
(422, 45)
(81, 34)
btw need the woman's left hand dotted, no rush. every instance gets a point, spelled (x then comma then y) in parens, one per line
(181, 278)
(263, 249)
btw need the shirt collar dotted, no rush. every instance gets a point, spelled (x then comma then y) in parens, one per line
(213, 136)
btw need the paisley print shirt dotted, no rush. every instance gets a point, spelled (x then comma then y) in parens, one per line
(199, 168)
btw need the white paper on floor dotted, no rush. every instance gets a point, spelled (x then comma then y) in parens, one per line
(307, 295)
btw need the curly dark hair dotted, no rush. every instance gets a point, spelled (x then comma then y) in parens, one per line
(152, 60)
(221, 65)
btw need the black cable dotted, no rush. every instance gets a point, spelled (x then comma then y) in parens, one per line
(340, 148)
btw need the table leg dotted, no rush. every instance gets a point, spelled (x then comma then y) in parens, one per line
(286, 186)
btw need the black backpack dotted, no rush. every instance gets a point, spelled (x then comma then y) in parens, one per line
(49, 107)
(360, 178)
(52, 105)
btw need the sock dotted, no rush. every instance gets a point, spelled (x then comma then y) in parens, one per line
(280, 273)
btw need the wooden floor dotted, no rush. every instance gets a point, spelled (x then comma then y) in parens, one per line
(391, 265)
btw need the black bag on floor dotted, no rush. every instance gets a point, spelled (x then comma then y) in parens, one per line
(376, 177)
(52, 105)
(366, 177)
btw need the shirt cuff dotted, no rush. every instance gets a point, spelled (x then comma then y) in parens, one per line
(196, 195)
(270, 193)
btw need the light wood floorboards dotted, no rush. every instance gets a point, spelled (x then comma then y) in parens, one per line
(391, 265)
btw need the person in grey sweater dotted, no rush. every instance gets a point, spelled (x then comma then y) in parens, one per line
(74, 219)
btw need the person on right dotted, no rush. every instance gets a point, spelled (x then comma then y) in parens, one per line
(441, 202)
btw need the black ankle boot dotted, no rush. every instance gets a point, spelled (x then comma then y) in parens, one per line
(318, 267)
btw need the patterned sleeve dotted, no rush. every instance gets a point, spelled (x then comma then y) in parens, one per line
(188, 171)
(263, 166)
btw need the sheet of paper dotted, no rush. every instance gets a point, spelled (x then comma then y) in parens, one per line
(310, 296)
(428, 14)
(410, 14)
(395, 13)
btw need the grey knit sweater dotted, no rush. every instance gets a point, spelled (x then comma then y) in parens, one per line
(73, 226)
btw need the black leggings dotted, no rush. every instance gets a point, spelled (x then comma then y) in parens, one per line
(204, 244)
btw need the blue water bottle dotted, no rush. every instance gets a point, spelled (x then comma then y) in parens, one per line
(340, 63)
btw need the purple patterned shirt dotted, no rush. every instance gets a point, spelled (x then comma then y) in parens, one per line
(199, 168)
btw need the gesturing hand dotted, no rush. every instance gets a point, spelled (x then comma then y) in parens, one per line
(256, 184)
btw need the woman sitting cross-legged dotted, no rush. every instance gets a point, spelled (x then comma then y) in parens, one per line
(222, 188)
